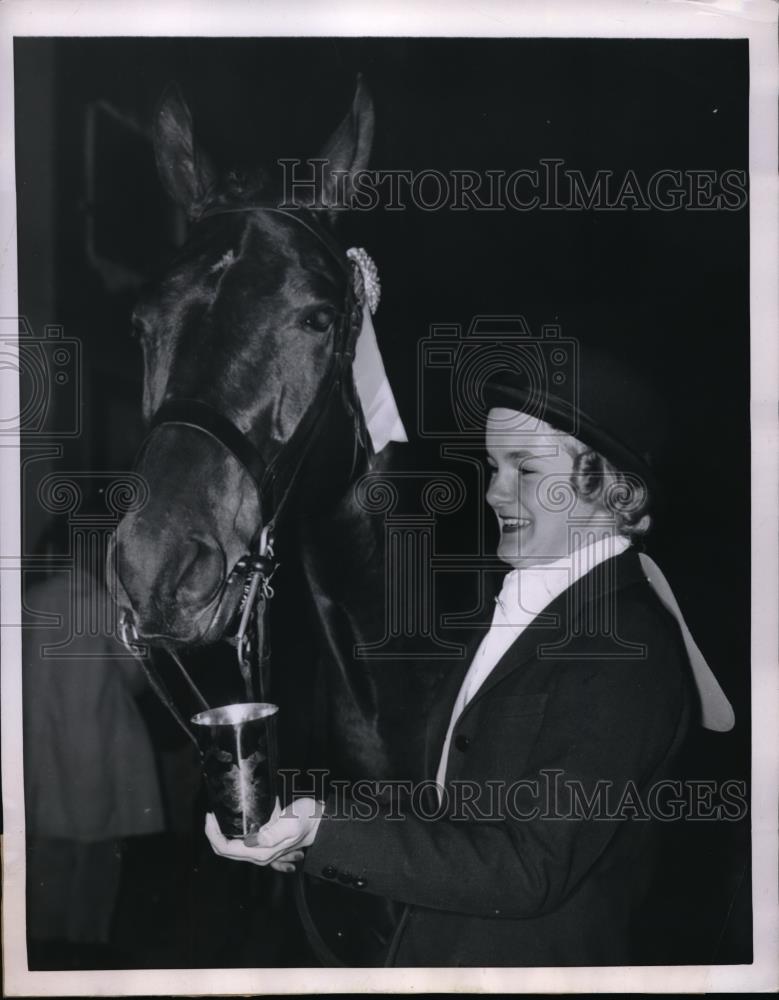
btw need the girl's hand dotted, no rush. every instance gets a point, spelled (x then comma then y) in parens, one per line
(279, 843)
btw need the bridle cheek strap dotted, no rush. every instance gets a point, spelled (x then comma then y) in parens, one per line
(273, 479)
(202, 417)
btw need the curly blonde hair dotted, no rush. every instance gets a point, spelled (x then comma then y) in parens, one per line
(623, 494)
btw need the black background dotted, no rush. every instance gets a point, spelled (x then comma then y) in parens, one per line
(669, 289)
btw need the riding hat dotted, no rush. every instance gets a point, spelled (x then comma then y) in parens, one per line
(595, 397)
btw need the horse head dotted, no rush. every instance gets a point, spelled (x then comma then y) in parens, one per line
(245, 341)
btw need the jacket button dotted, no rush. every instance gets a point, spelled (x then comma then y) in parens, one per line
(329, 871)
(462, 742)
(360, 882)
(346, 877)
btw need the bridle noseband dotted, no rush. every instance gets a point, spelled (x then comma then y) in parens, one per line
(274, 479)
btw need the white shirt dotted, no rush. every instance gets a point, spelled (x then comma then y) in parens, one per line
(525, 593)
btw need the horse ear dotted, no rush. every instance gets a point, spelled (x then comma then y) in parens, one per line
(349, 148)
(184, 169)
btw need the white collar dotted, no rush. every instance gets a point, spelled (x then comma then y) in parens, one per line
(526, 592)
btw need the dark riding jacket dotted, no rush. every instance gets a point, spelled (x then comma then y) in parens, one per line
(544, 848)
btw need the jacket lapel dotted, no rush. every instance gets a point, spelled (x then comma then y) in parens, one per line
(446, 695)
(560, 619)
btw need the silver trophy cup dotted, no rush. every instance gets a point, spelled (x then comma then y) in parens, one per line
(238, 754)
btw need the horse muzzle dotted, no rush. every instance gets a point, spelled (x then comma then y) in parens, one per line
(186, 601)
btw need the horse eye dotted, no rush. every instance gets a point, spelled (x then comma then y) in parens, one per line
(320, 319)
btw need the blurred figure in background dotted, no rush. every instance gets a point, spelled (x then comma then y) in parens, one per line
(89, 771)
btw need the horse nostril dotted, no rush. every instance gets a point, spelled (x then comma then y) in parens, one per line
(201, 569)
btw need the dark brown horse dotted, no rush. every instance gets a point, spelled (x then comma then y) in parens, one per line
(251, 330)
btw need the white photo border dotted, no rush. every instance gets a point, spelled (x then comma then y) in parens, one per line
(754, 20)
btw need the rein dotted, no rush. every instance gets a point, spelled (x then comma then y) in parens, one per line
(274, 479)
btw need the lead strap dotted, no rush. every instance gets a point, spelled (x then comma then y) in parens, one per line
(129, 636)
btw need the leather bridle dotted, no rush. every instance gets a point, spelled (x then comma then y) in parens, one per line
(274, 479)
